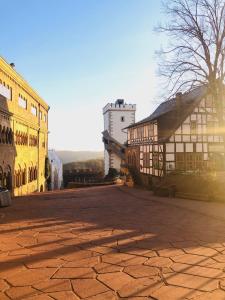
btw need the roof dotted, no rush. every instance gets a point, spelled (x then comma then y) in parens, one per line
(187, 101)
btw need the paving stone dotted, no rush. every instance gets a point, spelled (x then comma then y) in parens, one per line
(102, 268)
(170, 252)
(26, 241)
(47, 247)
(102, 250)
(44, 263)
(215, 295)
(22, 251)
(123, 259)
(193, 259)
(18, 293)
(40, 297)
(139, 251)
(192, 281)
(30, 276)
(159, 262)
(220, 258)
(3, 296)
(174, 293)
(3, 285)
(198, 270)
(222, 283)
(142, 287)
(104, 296)
(9, 268)
(77, 255)
(141, 271)
(53, 285)
(115, 280)
(153, 245)
(117, 238)
(75, 273)
(85, 288)
(136, 298)
(204, 251)
(72, 242)
(65, 295)
(10, 246)
(86, 262)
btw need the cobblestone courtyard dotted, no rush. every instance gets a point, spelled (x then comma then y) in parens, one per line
(111, 243)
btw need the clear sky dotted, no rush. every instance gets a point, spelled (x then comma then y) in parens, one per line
(79, 55)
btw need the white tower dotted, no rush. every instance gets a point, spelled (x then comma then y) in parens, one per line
(117, 116)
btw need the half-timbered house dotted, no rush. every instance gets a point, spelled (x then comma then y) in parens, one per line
(182, 135)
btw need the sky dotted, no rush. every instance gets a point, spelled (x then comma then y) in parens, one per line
(81, 54)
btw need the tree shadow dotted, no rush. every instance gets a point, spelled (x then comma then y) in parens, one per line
(104, 221)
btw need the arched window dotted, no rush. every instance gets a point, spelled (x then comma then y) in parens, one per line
(35, 173)
(10, 137)
(24, 175)
(3, 135)
(17, 182)
(19, 176)
(7, 135)
(30, 174)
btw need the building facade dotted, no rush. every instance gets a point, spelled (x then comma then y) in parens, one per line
(182, 135)
(117, 116)
(56, 177)
(23, 134)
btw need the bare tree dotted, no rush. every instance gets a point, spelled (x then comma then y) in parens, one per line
(196, 55)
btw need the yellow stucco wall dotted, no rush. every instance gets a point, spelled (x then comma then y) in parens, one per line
(17, 156)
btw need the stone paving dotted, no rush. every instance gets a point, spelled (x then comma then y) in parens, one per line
(108, 243)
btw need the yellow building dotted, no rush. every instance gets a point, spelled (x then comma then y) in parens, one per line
(23, 134)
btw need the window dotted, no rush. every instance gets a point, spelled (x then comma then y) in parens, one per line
(122, 119)
(150, 131)
(140, 132)
(22, 102)
(146, 159)
(40, 115)
(193, 127)
(155, 160)
(45, 118)
(189, 161)
(33, 110)
(5, 90)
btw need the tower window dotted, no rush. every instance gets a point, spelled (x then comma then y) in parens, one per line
(122, 119)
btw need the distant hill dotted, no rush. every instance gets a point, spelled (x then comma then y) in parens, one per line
(93, 164)
(73, 156)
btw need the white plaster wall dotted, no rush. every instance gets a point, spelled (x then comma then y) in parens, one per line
(56, 166)
(106, 121)
(113, 124)
(106, 162)
(117, 126)
(116, 162)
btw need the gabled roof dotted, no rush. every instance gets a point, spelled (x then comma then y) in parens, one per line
(170, 106)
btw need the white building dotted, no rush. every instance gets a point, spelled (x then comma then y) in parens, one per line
(56, 170)
(117, 116)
